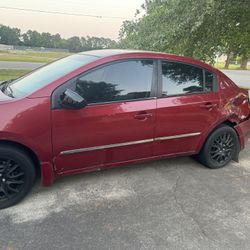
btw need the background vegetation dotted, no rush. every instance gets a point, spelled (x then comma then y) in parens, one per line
(32, 38)
(30, 56)
(6, 74)
(203, 29)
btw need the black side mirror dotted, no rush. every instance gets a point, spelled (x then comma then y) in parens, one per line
(72, 100)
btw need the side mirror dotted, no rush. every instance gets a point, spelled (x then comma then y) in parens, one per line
(72, 100)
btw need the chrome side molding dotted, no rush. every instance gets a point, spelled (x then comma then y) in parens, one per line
(176, 136)
(81, 150)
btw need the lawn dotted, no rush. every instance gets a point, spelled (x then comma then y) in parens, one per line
(31, 56)
(7, 74)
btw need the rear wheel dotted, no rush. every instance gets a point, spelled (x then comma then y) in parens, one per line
(17, 175)
(220, 148)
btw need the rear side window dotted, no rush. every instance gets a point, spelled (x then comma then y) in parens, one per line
(209, 81)
(181, 79)
(127, 80)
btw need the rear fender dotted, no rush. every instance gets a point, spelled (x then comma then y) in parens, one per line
(243, 130)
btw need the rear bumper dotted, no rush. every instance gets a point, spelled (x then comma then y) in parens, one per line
(243, 130)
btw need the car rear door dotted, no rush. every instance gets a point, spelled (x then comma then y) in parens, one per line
(117, 125)
(188, 105)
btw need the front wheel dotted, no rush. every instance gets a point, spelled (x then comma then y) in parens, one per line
(17, 175)
(220, 148)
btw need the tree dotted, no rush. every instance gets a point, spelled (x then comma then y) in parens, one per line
(171, 26)
(74, 44)
(196, 28)
(231, 19)
(32, 38)
(9, 35)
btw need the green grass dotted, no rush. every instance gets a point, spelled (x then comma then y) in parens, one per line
(7, 74)
(31, 56)
(231, 66)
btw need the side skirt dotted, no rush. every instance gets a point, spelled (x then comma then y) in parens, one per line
(118, 164)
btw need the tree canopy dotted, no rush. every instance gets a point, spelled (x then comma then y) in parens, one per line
(198, 28)
(32, 38)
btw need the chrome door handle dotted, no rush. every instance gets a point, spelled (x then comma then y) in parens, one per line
(208, 105)
(143, 116)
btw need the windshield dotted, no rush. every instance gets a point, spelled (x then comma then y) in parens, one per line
(45, 75)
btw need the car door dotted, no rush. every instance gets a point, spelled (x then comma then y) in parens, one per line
(117, 125)
(188, 105)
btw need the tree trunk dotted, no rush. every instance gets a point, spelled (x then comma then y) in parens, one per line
(228, 60)
(244, 61)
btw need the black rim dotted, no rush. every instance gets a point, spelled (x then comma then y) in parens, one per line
(222, 148)
(11, 179)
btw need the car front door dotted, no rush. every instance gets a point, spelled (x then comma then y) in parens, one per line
(117, 124)
(188, 105)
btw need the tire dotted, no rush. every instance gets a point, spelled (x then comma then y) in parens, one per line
(17, 175)
(220, 148)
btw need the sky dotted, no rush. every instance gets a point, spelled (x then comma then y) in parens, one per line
(68, 26)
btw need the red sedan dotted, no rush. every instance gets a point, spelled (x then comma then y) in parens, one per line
(100, 109)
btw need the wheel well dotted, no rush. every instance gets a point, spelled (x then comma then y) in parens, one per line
(229, 123)
(27, 151)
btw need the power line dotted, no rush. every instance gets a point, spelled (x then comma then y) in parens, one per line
(62, 13)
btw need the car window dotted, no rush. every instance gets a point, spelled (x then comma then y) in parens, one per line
(126, 80)
(47, 74)
(209, 81)
(179, 79)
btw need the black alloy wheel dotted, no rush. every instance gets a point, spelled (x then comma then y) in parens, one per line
(17, 175)
(221, 146)
(12, 179)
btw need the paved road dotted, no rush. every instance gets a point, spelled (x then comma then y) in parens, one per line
(168, 204)
(19, 65)
(241, 77)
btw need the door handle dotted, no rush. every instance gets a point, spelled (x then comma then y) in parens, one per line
(208, 105)
(143, 116)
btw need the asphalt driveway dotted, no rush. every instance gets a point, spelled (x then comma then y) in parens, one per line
(241, 77)
(20, 65)
(168, 204)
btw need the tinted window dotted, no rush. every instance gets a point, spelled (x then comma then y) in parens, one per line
(119, 81)
(47, 74)
(209, 81)
(178, 79)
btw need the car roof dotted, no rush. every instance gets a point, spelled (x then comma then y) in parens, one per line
(107, 53)
(112, 52)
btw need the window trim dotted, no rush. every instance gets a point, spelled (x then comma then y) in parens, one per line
(153, 90)
(215, 87)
